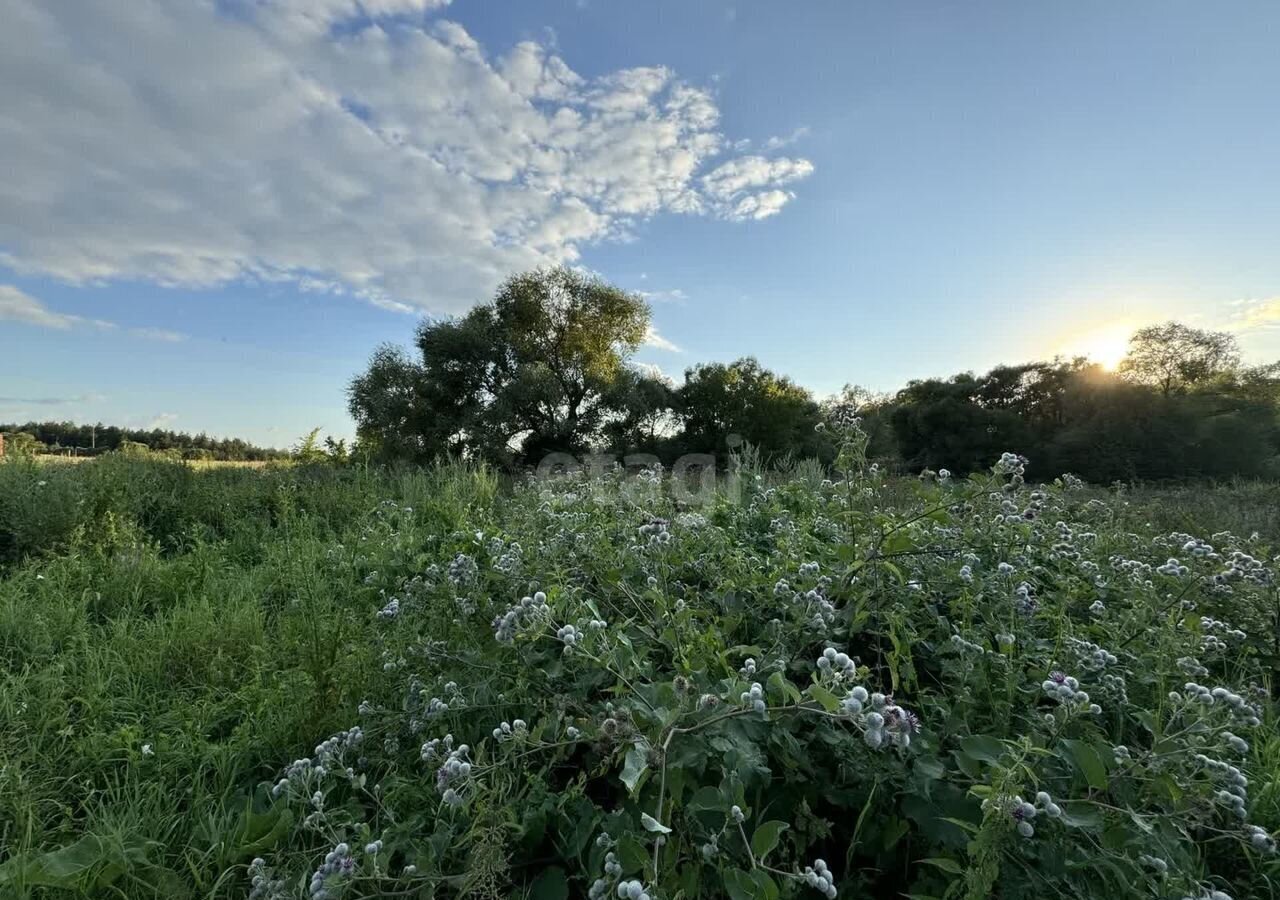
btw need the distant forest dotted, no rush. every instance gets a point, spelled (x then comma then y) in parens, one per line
(88, 440)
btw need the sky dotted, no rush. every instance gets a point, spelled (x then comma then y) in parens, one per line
(212, 211)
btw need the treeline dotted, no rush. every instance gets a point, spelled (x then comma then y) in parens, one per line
(1072, 416)
(545, 367)
(88, 440)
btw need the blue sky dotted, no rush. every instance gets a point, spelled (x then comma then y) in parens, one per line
(212, 213)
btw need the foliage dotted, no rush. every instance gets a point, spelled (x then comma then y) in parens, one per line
(21, 443)
(853, 687)
(90, 439)
(536, 370)
(1073, 416)
(543, 370)
(722, 406)
(1174, 357)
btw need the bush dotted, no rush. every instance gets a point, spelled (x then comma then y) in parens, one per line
(988, 691)
(801, 687)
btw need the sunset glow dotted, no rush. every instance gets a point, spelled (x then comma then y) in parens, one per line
(1105, 346)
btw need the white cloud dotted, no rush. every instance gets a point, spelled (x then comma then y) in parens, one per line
(658, 342)
(778, 141)
(194, 143)
(675, 295)
(1256, 314)
(50, 401)
(158, 334)
(746, 187)
(760, 206)
(18, 306)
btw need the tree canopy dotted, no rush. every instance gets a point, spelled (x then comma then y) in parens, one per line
(1174, 357)
(540, 368)
(545, 366)
(722, 406)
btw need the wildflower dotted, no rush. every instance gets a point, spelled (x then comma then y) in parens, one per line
(840, 665)
(1260, 840)
(632, 890)
(569, 635)
(1154, 862)
(819, 877)
(853, 702)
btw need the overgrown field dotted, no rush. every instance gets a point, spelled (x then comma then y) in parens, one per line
(341, 683)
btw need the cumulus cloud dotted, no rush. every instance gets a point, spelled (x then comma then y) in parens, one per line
(366, 147)
(746, 187)
(1256, 314)
(18, 306)
(658, 342)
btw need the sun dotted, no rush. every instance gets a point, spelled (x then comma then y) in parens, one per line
(1105, 346)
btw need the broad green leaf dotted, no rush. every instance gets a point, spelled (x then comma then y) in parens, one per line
(706, 798)
(632, 854)
(550, 885)
(741, 886)
(765, 886)
(1080, 814)
(946, 865)
(829, 701)
(982, 747)
(635, 765)
(1089, 761)
(766, 837)
(778, 684)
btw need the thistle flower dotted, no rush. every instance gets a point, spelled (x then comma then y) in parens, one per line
(819, 877)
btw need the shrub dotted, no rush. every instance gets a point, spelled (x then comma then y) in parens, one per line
(983, 690)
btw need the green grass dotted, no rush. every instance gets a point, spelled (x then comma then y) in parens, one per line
(171, 638)
(203, 613)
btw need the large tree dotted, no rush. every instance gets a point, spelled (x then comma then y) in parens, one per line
(742, 401)
(1174, 357)
(536, 370)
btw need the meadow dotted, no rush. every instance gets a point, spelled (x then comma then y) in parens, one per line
(346, 682)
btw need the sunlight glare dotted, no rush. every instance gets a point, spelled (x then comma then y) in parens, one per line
(1105, 346)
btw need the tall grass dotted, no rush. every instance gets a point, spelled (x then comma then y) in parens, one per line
(169, 637)
(206, 616)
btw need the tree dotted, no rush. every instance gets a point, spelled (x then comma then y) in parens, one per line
(22, 443)
(950, 424)
(1174, 357)
(746, 401)
(535, 370)
(645, 419)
